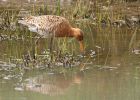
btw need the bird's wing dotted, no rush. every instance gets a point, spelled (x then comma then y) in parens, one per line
(49, 24)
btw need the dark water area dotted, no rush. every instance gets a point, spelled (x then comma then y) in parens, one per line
(109, 69)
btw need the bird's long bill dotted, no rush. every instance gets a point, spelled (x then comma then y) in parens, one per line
(81, 46)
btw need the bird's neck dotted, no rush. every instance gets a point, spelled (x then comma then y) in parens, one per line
(73, 32)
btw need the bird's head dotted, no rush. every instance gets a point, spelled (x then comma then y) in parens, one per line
(78, 34)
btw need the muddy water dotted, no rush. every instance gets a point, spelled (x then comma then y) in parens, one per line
(111, 68)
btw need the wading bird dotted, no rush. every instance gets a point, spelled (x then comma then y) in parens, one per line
(52, 26)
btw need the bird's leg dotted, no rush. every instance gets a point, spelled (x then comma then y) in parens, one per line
(35, 48)
(81, 46)
(51, 44)
(51, 47)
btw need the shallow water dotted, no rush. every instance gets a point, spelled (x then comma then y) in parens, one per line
(110, 67)
(113, 73)
(120, 82)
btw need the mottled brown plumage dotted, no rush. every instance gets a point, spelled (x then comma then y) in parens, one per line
(51, 25)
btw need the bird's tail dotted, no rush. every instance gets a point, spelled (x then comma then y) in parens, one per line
(21, 20)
